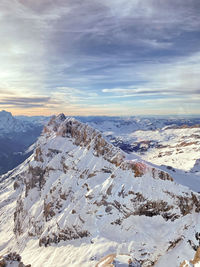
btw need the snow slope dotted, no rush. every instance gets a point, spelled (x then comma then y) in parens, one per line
(179, 148)
(78, 198)
(175, 148)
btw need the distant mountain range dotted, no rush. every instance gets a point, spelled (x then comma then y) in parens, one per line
(16, 135)
(19, 132)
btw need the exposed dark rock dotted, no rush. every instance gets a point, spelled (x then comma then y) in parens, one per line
(35, 178)
(10, 258)
(48, 211)
(16, 185)
(19, 216)
(64, 234)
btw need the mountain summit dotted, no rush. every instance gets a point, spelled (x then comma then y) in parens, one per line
(9, 124)
(79, 196)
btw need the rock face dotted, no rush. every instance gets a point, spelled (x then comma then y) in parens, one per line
(192, 263)
(114, 260)
(12, 259)
(77, 186)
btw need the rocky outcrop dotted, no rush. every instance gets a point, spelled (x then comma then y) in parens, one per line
(19, 216)
(192, 263)
(112, 260)
(12, 259)
(84, 135)
(196, 259)
(35, 178)
(64, 235)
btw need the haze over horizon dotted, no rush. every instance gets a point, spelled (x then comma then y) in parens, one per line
(116, 57)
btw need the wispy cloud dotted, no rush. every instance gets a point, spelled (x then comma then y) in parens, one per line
(24, 102)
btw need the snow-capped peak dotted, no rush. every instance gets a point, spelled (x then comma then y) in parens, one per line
(9, 124)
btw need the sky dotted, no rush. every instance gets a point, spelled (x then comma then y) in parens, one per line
(100, 57)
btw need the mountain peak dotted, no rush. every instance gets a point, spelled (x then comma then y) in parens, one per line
(85, 136)
(10, 124)
(4, 112)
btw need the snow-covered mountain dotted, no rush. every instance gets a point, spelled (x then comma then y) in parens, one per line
(78, 199)
(19, 124)
(179, 147)
(117, 126)
(147, 136)
(175, 147)
(36, 120)
(9, 124)
(15, 138)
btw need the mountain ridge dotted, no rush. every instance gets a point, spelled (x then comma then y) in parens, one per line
(78, 187)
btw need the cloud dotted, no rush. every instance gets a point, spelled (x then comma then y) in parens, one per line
(24, 102)
(6, 92)
(27, 99)
(80, 54)
(178, 77)
(124, 91)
